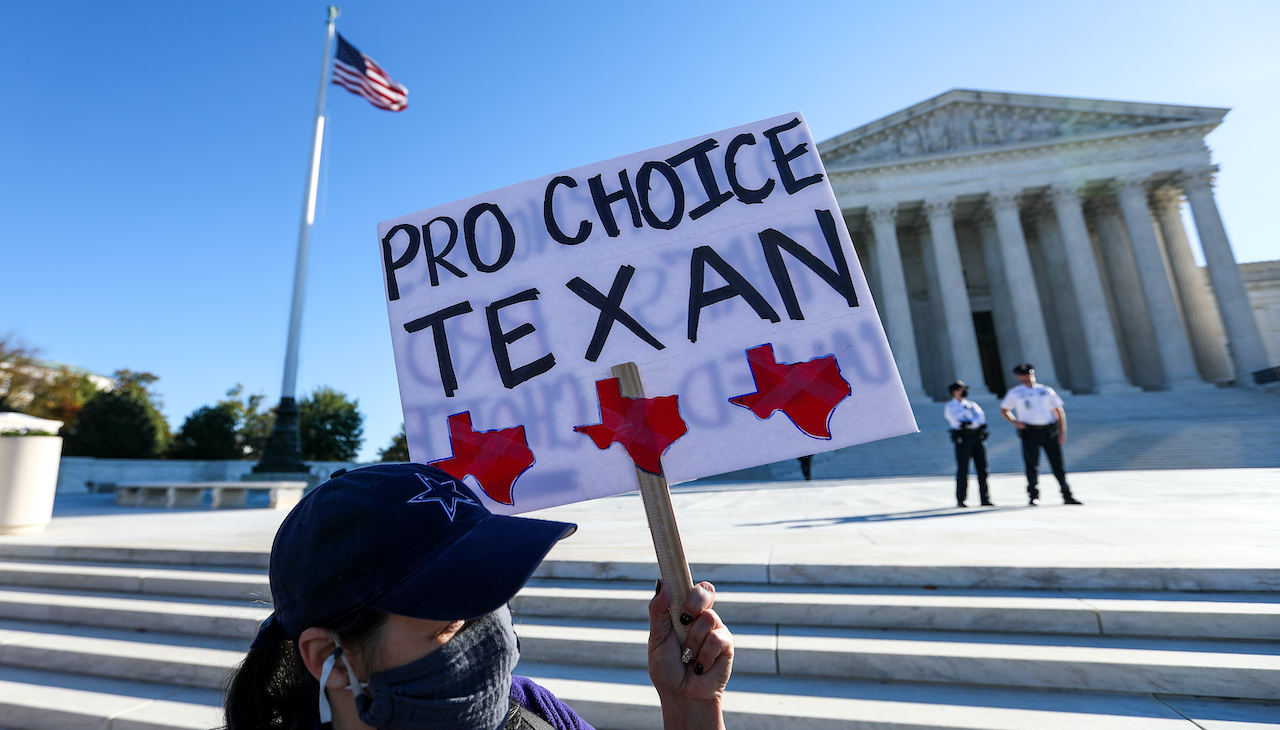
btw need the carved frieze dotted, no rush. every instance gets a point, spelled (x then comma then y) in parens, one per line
(968, 125)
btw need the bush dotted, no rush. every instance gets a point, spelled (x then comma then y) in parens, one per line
(124, 423)
(397, 450)
(209, 433)
(253, 423)
(329, 426)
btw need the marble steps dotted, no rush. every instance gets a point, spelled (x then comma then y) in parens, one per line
(1217, 427)
(920, 674)
(1110, 613)
(246, 572)
(183, 660)
(622, 699)
(35, 699)
(118, 644)
(1173, 443)
(1249, 670)
(197, 617)
(159, 580)
(231, 604)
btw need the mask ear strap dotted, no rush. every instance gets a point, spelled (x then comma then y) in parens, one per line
(354, 684)
(326, 713)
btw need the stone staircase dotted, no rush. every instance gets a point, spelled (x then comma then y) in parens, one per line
(1200, 429)
(136, 639)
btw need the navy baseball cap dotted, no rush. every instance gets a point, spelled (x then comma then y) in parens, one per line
(406, 539)
(1024, 368)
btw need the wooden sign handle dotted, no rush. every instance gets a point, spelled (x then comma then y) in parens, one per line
(672, 565)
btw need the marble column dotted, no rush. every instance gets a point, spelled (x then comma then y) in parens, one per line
(1247, 350)
(1058, 300)
(953, 293)
(1197, 311)
(1028, 317)
(1134, 324)
(1171, 338)
(1100, 344)
(893, 300)
(1001, 304)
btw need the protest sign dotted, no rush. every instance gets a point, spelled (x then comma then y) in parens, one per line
(721, 266)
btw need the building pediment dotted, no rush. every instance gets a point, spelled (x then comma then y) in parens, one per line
(966, 121)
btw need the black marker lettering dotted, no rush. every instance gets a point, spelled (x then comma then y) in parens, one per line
(433, 258)
(611, 310)
(773, 243)
(677, 192)
(504, 226)
(746, 195)
(549, 214)
(393, 289)
(436, 322)
(783, 159)
(698, 153)
(604, 202)
(499, 341)
(737, 286)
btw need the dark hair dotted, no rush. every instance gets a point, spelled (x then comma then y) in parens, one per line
(272, 689)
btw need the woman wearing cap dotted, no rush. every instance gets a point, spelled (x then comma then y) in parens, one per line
(390, 586)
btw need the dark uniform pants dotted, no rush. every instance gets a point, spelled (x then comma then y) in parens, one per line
(969, 445)
(1035, 438)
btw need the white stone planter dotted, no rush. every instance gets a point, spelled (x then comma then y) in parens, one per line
(28, 480)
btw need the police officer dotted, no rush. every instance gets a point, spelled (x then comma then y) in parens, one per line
(968, 431)
(1041, 424)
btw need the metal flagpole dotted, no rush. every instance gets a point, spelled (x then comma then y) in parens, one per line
(283, 453)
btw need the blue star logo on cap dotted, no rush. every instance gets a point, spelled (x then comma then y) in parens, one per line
(446, 494)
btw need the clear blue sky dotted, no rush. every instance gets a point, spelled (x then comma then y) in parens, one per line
(153, 152)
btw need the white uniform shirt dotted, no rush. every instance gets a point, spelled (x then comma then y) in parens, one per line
(959, 411)
(1033, 405)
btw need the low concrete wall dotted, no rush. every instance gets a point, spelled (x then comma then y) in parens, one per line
(76, 472)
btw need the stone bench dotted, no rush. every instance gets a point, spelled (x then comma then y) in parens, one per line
(223, 495)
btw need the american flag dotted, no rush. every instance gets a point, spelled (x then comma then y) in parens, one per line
(359, 74)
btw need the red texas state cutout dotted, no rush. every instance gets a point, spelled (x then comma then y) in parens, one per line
(495, 458)
(644, 426)
(807, 392)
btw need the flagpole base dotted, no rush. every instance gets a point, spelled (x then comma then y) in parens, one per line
(283, 454)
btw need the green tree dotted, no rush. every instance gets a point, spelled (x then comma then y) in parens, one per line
(122, 423)
(62, 397)
(330, 426)
(209, 433)
(397, 450)
(253, 422)
(18, 372)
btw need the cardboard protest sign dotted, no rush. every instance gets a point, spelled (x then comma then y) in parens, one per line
(721, 266)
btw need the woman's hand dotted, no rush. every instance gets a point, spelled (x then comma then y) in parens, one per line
(691, 693)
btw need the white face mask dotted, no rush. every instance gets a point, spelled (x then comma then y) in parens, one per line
(355, 685)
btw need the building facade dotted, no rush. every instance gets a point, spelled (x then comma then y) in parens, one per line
(1002, 228)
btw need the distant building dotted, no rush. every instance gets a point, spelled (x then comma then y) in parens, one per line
(1262, 279)
(47, 370)
(1002, 228)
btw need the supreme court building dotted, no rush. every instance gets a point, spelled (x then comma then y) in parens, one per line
(1001, 228)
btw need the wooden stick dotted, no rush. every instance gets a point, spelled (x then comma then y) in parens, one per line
(672, 565)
